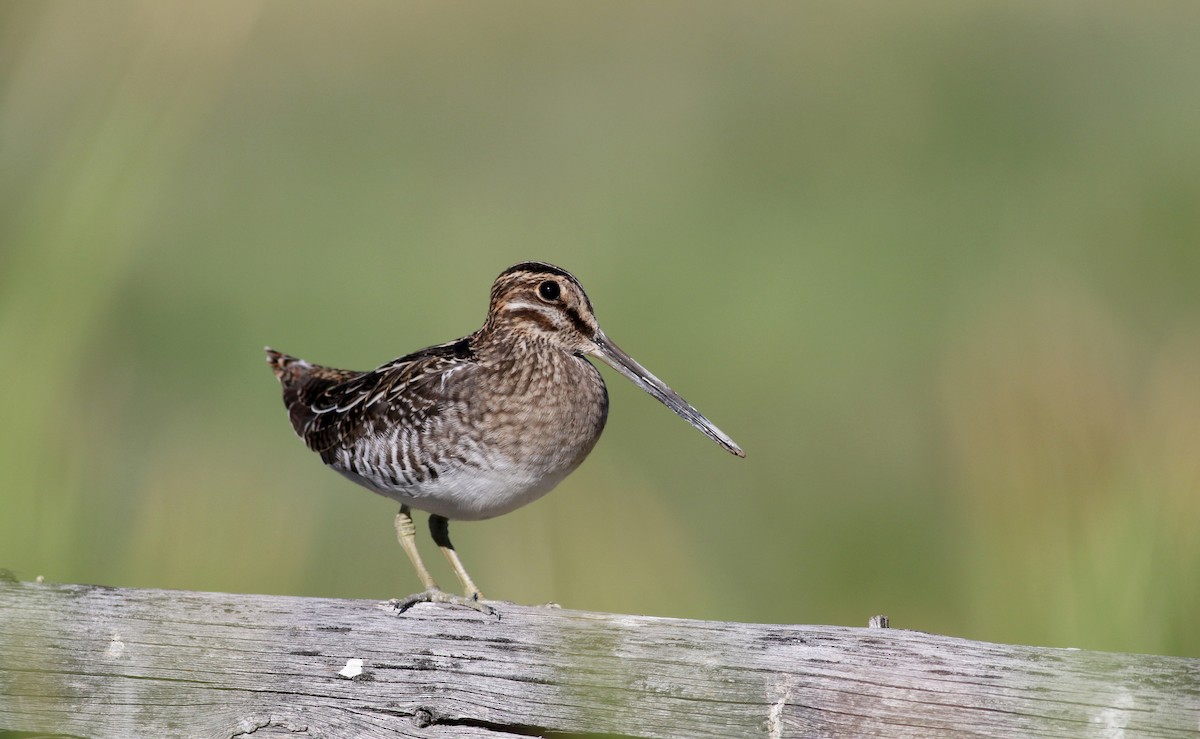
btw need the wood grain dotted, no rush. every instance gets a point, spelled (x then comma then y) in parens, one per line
(89, 661)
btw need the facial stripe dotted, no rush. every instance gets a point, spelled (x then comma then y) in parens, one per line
(534, 315)
(578, 322)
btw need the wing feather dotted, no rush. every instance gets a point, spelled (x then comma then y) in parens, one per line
(405, 393)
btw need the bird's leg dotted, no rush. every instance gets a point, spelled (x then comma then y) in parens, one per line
(439, 527)
(406, 534)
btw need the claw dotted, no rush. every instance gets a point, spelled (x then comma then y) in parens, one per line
(441, 596)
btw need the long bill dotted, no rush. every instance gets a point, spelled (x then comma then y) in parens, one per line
(614, 357)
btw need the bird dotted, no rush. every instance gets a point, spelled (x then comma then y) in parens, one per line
(477, 427)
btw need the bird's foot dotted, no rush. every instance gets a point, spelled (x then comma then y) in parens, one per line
(434, 595)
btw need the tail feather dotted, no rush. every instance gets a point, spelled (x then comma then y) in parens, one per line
(303, 383)
(287, 368)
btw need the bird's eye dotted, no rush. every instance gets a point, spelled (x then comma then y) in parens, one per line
(549, 291)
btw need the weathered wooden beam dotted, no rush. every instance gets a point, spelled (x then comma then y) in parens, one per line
(88, 661)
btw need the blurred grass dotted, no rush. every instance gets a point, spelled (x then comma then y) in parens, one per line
(934, 266)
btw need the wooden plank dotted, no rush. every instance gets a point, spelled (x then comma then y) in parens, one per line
(89, 661)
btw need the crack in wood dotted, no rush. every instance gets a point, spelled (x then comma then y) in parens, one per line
(270, 723)
(518, 729)
(424, 717)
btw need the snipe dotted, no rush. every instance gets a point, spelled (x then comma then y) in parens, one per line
(477, 427)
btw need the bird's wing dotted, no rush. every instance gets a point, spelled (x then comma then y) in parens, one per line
(404, 392)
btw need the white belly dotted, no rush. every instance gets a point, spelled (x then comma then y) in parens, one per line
(470, 494)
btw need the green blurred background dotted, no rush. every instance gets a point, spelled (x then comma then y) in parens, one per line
(935, 265)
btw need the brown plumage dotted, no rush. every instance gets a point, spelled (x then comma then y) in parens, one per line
(479, 426)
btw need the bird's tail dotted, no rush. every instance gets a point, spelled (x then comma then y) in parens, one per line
(287, 369)
(304, 383)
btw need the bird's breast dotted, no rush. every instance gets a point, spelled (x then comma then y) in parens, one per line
(537, 430)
